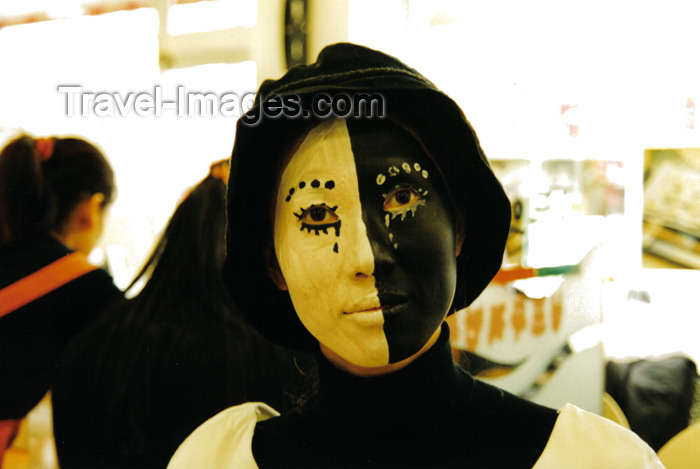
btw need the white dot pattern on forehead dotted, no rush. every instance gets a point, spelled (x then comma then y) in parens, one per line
(406, 167)
(416, 166)
(380, 179)
(393, 171)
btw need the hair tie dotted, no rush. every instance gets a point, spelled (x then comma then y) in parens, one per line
(220, 170)
(44, 147)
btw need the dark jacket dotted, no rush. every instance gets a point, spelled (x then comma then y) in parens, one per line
(33, 338)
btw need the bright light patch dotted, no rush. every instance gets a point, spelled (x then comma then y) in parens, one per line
(211, 16)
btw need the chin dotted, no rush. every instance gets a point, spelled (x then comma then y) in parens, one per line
(364, 361)
(357, 360)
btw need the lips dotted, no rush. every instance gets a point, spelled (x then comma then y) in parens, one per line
(367, 307)
(388, 297)
(390, 303)
(368, 310)
(395, 308)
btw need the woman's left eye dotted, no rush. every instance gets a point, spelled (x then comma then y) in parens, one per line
(401, 199)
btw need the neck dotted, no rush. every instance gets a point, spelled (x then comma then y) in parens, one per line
(431, 379)
(61, 238)
(367, 372)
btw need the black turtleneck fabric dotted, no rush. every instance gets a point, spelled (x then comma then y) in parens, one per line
(428, 414)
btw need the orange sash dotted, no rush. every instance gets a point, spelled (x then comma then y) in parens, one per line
(28, 289)
(8, 432)
(43, 281)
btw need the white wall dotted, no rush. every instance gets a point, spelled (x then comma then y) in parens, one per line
(155, 158)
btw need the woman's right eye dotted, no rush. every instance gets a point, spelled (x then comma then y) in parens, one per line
(319, 217)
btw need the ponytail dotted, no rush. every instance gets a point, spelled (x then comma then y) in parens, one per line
(43, 180)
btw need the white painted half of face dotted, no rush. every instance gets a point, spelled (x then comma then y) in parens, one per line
(328, 271)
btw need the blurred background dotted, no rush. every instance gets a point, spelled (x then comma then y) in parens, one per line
(586, 109)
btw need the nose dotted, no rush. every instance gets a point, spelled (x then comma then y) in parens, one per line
(361, 262)
(359, 259)
(383, 256)
(377, 255)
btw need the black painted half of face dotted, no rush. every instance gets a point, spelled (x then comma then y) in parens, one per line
(410, 225)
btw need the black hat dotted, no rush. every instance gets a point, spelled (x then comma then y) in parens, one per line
(411, 101)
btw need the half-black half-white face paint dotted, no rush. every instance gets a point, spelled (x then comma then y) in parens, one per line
(365, 239)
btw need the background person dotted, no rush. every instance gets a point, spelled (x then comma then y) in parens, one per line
(154, 367)
(54, 195)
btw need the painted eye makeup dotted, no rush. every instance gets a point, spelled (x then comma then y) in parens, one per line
(319, 217)
(403, 200)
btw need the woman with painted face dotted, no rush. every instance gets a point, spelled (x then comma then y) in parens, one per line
(361, 235)
(54, 197)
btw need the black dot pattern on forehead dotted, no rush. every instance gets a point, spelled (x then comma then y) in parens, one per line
(335, 247)
(315, 184)
(289, 197)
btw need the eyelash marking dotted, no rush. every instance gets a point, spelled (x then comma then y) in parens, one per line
(401, 201)
(319, 217)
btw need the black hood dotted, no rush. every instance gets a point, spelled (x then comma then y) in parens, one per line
(411, 101)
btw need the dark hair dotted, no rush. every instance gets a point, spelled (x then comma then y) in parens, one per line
(40, 188)
(185, 266)
(152, 368)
